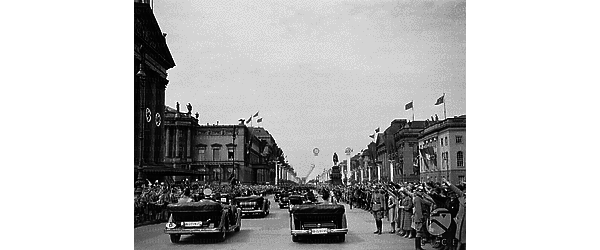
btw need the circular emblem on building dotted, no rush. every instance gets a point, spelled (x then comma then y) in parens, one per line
(158, 120)
(148, 115)
(316, 151)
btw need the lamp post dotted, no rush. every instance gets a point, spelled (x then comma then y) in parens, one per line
(141, 74)
(348, 151)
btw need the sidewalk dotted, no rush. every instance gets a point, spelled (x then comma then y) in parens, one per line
(366, 220)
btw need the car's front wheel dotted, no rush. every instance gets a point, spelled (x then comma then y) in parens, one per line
(175, 237)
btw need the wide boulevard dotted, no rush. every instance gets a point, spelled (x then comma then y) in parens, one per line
(273, 232)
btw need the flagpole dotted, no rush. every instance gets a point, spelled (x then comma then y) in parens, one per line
(413, 109)
(444, 106)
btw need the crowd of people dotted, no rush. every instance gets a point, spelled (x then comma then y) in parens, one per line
(151, 203)
(408, 207)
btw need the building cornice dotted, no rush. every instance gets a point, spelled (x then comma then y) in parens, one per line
(448, 124)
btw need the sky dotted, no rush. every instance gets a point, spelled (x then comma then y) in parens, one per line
(321, 74)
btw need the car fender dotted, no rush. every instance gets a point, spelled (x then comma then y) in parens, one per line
(239, 217)
(292, 223)
(344, 222)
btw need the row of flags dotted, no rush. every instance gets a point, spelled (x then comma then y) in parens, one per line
(438, 102)
(409, 105)
(255, 115)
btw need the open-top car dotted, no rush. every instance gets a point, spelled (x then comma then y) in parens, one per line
(253, 204)
(203, 217)
(311, 220)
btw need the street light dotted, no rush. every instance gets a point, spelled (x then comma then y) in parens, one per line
(141, 74)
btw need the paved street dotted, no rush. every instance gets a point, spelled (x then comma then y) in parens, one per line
(273, 232)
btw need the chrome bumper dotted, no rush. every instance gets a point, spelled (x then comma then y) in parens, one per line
(329, 231)
(252, 211)
(192, 230)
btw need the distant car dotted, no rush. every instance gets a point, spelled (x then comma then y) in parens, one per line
(284, 201)
(203, 217)
(277, 195)
(253, 204)
(313, 220)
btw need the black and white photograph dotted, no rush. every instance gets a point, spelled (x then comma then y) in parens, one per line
(300, 124)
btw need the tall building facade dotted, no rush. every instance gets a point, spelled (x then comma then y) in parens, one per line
(152, 59)
(387, 150)
(179, 131)
(224, 151)
(264, 168)
(443, 150)
(220, 153)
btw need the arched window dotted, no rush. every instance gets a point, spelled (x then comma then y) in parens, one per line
(459, 159)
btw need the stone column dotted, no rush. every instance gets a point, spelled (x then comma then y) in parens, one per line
(189, 143)
(176, 143)
(167, 143)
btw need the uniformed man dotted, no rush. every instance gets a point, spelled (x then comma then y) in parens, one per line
(377, 208)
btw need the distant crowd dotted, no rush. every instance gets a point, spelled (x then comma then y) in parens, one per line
(150, 204)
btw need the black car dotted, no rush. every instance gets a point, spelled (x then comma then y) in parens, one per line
(284, 200)
(203, 217)
(314, 220)
(253, 204)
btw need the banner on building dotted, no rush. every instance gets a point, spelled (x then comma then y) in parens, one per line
(429, 158)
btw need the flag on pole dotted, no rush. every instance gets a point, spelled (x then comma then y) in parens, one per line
(440, 100)
(377, 130)
(255, 115)
(408, 106)
(249, 120)
(259, 120)
(372, 136)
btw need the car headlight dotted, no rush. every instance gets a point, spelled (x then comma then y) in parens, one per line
(171, 225)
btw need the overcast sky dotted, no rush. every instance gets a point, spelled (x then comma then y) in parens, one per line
(321, 73)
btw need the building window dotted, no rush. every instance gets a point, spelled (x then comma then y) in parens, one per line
(442, 142)
(230, 153)
(411, 144)
(446, 140)
(458, 139)
(459, 159)
(462, 178)
(216, 154)
(201, 153)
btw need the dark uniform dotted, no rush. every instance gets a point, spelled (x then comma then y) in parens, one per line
(378, 205)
